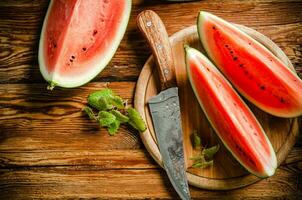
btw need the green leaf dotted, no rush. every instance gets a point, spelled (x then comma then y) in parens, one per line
(117, 102)
(136, 120)
(202, 164)
(210, 152)
(90, 113)
(196, 140)
(131, 123)
(111, 109)
(106, 118)
(105, 100)
(103, 104)
(197, 164)
(113, 127)
(119, 116)
(105, 95)
(198, 158)
(208, 163)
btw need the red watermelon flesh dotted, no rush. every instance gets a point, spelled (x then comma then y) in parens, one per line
(230, 117)
(255, 72)
(79, 38)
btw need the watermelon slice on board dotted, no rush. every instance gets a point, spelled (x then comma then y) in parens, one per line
(79, 38)
(254, 71)
(231, 118)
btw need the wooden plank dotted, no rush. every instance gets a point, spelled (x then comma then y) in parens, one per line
(34, 118)
(50, 129)
(77, 183)
(84, 182)
(98, 159)
(21, 22)
(35, 98)
(26, 139)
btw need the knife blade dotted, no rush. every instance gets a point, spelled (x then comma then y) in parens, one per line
(164, 107)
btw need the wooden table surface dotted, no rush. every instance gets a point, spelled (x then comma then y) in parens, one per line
(50, 149)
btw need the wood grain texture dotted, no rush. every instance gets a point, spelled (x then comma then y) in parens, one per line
(49, 149)
(85, 182)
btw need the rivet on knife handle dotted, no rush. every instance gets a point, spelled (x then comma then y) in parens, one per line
(155, 33)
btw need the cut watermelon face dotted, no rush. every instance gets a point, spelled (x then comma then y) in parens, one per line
(79, 38)
(255, 72)
(230, 117)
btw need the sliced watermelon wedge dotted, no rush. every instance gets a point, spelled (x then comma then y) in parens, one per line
(79, 38)
(255, 72)
(230, 117)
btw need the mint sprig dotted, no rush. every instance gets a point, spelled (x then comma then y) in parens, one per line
(106, 118)
(89, 112)
(205, 158)
(113, 111)
(136, 120)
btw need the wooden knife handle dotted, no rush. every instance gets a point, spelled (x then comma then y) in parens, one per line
(155, 33)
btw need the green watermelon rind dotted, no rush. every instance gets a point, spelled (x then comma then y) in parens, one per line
(188, 51)
(56, 80)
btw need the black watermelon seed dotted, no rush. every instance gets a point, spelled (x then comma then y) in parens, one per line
(251, 161)
(241, 65)
(72, 57)
(214, 28)
(95, 32)
(226, 46)
(231, 52)
(262, 87)
(71, 60)
(235, 58)
(282, 100)
(239, 148)
(84, 48)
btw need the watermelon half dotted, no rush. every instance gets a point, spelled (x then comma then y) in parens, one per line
(254, 71)
(230, 117)
(79, 38)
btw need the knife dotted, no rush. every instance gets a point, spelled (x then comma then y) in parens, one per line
(164, 107)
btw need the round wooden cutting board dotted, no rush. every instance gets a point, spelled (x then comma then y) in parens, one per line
(226, 173)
